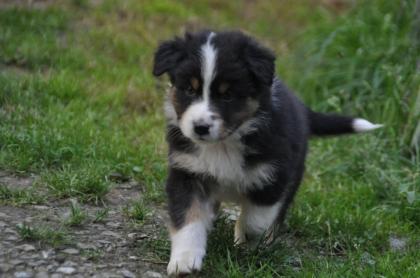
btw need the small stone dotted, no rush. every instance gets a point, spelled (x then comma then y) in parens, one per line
(71, 251)
(85, 246)
(10, 231)
(113, 224)
(57, 275)
(26, 247)
(133, 257)
(397, 244)
(12, 238)
(118, 177)
(36, 263)
(47, 253)
(69, 263)
(51, 267)
(23, 274)
(2, 224)
(3, 215)
(152, 274)
(60, 258)
(128, 274)
(110, 233)
(42, 274)
(104, 242)
(15, 262)
(5, 268)
(100, 266)
(368, 259)
(40, 207)
(108, 249)
(66, 270)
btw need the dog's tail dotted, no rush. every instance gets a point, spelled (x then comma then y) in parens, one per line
(331, 124)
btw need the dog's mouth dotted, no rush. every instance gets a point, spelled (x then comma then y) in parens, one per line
(224, 134)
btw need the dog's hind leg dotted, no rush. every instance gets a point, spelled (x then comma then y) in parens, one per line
(255, 221)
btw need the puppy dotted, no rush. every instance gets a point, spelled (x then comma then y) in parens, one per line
(235, 134)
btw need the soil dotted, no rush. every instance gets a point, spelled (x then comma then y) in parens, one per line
(109, 248)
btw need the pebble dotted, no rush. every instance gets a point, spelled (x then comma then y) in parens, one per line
(60, 258)
(10, 231)
(16, 262)
(2, 224)
(71, 251)
(104, 242)
(128, 274)
(42, 274)
(12, 238)
(152, 274)
(85, 246)
(47, 253)
(66, 269)
(113, 224)
(36, 263)
(57, 275)
(23, 274)
(4, 268)
(397, 244)
(3, 215)
(110, 233)
(26, 247)
(40, 207)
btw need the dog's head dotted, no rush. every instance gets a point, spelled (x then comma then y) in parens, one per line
(219, 81)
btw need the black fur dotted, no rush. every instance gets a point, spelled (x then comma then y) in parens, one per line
(281, 139)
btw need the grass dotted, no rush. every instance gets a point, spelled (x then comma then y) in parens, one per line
(77, 216)
(138, 211)
(19, 197)
(101, 215)
(78, 102)
(48, 236)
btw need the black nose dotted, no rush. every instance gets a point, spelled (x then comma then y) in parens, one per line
(201, 129)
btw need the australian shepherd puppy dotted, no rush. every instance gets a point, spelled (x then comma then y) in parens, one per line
(236, 133)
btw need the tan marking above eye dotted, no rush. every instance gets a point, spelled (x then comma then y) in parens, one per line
(195, 84)
(223, 88)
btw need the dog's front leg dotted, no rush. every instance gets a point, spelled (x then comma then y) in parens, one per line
(191, 215)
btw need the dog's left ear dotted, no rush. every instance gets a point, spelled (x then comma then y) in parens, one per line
(168, 55)
(260, 61)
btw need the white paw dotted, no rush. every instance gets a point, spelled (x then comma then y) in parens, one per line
(186, 262)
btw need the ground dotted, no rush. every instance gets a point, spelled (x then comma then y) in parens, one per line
(83, 153)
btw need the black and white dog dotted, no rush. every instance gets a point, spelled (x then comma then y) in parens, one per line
(235, 134)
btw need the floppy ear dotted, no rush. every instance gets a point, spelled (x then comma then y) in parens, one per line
(168, 55)
(260, 62)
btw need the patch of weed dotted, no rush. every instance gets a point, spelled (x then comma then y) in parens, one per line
(54, 237)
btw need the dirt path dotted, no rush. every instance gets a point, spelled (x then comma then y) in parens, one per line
(112, 247)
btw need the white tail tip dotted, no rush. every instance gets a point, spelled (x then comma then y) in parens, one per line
(362, 125)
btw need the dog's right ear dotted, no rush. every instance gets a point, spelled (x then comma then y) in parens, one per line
(168, 55)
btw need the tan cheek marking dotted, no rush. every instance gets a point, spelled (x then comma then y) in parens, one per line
(195, 84)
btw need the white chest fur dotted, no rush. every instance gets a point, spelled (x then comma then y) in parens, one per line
(224, 161)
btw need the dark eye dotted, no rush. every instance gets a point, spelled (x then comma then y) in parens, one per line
(190, 91)
(227, 96)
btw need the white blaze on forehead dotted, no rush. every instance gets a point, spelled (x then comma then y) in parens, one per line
(208, 65)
